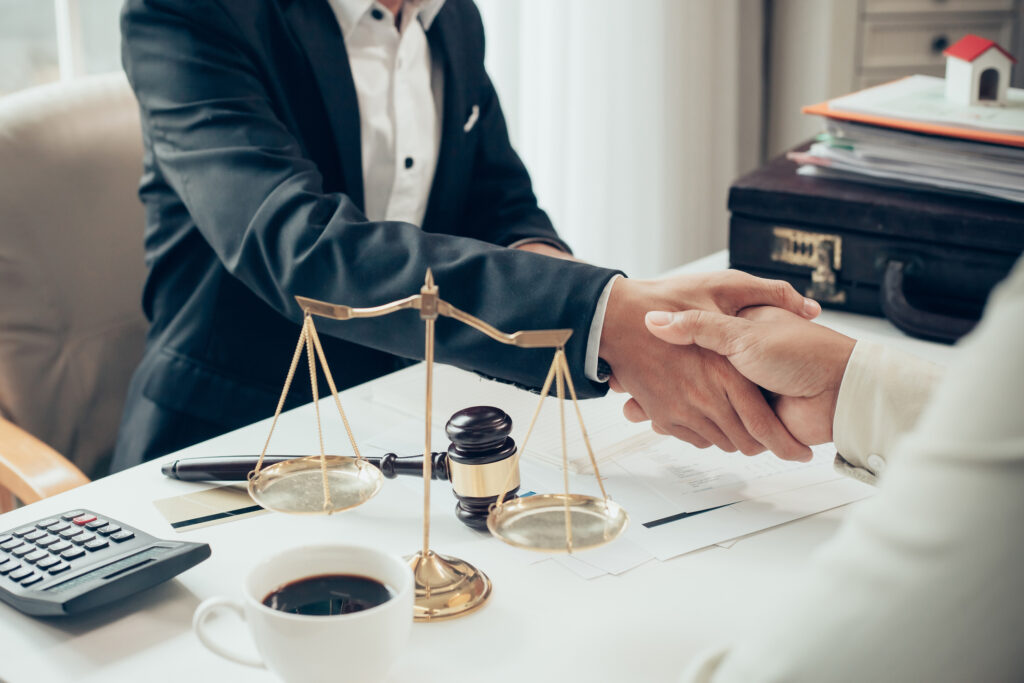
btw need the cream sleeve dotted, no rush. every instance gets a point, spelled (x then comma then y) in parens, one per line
(882, 394)
(922, 582)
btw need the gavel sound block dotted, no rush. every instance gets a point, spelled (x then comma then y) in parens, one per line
(477, 463)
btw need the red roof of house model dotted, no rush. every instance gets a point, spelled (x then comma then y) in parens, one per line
(970, 47)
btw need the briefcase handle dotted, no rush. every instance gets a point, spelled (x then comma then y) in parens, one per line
(914, 321)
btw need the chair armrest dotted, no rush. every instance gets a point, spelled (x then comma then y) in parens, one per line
(30, 469)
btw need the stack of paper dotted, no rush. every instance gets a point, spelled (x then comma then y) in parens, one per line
(906, 134)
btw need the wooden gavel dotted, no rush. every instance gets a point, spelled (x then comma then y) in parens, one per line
(477, 463)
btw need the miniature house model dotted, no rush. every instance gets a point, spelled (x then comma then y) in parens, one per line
(977, 72)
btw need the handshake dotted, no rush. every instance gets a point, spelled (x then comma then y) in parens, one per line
(693, 350)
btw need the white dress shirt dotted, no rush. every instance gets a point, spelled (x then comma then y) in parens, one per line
(400, 89)
(922, 583)
(400, 94)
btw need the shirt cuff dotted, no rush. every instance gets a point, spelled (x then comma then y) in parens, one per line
(882, 394)
(596, 326)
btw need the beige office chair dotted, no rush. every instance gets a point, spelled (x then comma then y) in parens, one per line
(71, 272)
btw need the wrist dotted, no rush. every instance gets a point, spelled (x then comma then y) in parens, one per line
(628, 303)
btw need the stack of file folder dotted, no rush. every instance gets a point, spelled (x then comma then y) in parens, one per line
(905, 134)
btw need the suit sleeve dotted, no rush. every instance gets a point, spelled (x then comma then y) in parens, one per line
(260, 204)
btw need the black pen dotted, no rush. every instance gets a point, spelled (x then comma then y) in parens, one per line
(237, 467)
(219, 467)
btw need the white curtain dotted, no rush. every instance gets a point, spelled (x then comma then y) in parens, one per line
(632, 117)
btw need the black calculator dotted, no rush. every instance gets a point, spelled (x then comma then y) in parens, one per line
(79, 560)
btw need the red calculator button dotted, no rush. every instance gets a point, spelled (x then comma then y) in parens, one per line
(82, 520)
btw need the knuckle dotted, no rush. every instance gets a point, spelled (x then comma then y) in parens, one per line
(750, 447)
(760, 426)
(779, 290)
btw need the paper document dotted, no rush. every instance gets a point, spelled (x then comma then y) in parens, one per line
(679, 498)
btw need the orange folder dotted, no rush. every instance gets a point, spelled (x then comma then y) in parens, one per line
(1010, 139)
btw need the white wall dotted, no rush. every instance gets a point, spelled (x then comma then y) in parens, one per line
(633, 118)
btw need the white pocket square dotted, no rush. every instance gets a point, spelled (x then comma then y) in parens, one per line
(474, 114)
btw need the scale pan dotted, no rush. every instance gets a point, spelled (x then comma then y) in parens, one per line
(538, 522)
(297, 486)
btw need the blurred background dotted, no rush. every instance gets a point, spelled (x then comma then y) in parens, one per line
(633, 118)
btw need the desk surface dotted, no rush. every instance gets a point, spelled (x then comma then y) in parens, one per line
(541, 621)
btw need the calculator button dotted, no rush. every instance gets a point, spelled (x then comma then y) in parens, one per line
(35, 578)
(109, 529)
(23, 550)
(24, 530)
(46, 523)
(48, 562)
(72, 532)
(47, 540)
(36, 556)
(10, 544)
(84, 538)
(19, 574)
(96, 544)
(96, 524)
(58, 527)
(8, 566)
(35, 535)
(122, 536)
(82, 520)
(72, 553)
(62, 567)
(59, 547)
(72, 514)
(5, 538)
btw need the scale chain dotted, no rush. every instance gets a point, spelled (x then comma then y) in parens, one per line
(308, 323)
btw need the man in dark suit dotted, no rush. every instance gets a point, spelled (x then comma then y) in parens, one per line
(274, 134)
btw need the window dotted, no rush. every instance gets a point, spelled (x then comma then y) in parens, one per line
(43, 41)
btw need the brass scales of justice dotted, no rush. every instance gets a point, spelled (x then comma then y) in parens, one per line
(446, 587)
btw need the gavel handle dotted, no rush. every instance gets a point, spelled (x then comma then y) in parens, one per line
(391, 465)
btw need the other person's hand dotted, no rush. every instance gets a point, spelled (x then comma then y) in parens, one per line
(691, 393)
(801, 361)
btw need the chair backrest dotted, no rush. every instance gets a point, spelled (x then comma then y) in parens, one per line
(71, 262)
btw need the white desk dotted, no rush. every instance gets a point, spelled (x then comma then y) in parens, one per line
(542, 622)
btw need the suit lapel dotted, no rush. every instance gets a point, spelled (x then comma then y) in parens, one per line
(443, 38)
(316, 30)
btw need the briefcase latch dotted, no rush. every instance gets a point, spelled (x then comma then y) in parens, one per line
(823, 253)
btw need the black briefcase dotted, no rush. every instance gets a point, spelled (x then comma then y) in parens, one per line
(925, 260)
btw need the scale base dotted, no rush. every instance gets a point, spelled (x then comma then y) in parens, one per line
(446, 587)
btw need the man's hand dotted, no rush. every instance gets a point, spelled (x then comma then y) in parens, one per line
(691, 393)
(799, 360)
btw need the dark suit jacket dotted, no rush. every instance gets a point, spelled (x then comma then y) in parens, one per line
(253, 191)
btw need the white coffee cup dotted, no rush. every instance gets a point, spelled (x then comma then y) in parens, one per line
(361, 646)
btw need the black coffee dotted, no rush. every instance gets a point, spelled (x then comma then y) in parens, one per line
(328, 594)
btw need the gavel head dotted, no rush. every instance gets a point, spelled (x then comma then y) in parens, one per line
(480, 460)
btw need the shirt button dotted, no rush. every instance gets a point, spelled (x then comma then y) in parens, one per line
(876, 463)
(408, 162)
(376, 14)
